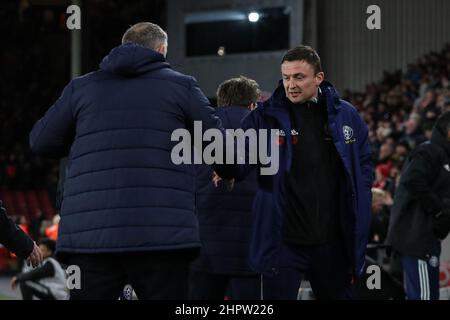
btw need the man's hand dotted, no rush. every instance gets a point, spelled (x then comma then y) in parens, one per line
(228, 183)
(14, 283)
(441, 225)
(216, 179)
(35, 257)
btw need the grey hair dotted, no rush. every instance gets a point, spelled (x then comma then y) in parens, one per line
(146, 34)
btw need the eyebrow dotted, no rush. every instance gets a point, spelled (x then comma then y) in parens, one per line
(293, 75)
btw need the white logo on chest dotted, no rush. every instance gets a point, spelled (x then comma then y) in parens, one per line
(348, 134)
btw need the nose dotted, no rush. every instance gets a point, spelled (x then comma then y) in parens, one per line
(291, 84)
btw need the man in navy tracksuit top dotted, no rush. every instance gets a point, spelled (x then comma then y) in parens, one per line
(420, 216)
(225, 216)
(312, 217)
(128, 212)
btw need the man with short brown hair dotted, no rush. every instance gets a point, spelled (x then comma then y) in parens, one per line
(312, 217)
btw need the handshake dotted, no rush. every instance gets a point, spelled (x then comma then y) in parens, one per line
(229, 184)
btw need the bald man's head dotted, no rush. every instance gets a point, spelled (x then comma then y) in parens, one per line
(147, 34)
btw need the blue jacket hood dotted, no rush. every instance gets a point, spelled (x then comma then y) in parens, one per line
(132, 60)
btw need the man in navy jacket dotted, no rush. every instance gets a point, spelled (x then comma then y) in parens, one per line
(127, 212)
(225, 216)
(312, 217)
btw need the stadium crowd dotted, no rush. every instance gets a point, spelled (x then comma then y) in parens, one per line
(400, 111)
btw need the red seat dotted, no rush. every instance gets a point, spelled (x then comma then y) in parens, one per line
(20, 203)
(27, 203)
(33, 203)
(46, 204)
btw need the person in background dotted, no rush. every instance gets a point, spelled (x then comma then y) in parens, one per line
(381, 202)
(52, 231)
(225, 217)
(47, 282)
(420, 216)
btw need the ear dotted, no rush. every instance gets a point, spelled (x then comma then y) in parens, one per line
(162, 49)
(319, 78)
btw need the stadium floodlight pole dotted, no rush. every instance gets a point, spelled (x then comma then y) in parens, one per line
(75, 71)
(75, 48)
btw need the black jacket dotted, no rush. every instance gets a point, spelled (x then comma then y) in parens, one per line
(12, 237)
(423, 192)
(46, 270)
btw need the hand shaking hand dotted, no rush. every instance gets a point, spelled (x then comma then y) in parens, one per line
(35, 257)
(228, 183)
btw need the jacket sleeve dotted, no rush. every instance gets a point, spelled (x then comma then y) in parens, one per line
(45, 271)
(249, 122)
(13, 238)
(418, 177)
(52, 134)
(365, 157)
(199, 109)
(364, 187)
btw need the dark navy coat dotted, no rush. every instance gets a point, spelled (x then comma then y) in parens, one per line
(122, 191)
(225, 217)
(350, 136)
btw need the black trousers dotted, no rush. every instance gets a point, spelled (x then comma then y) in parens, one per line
(326, 267)
(208, 286)
(30, 289)
(161, 275)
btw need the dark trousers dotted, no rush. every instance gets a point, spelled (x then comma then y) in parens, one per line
(421, 277)
(208, 286)
(153, 275)
(325, 266)
(30, 289)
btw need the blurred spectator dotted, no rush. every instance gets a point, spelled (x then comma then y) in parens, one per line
(385, 154)
(23, 224)
(35, 225)
(420, 216)
(46, 282)
(52, 231)
(413, 133)
(402, 150)
(381, 202)
(223, 261)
